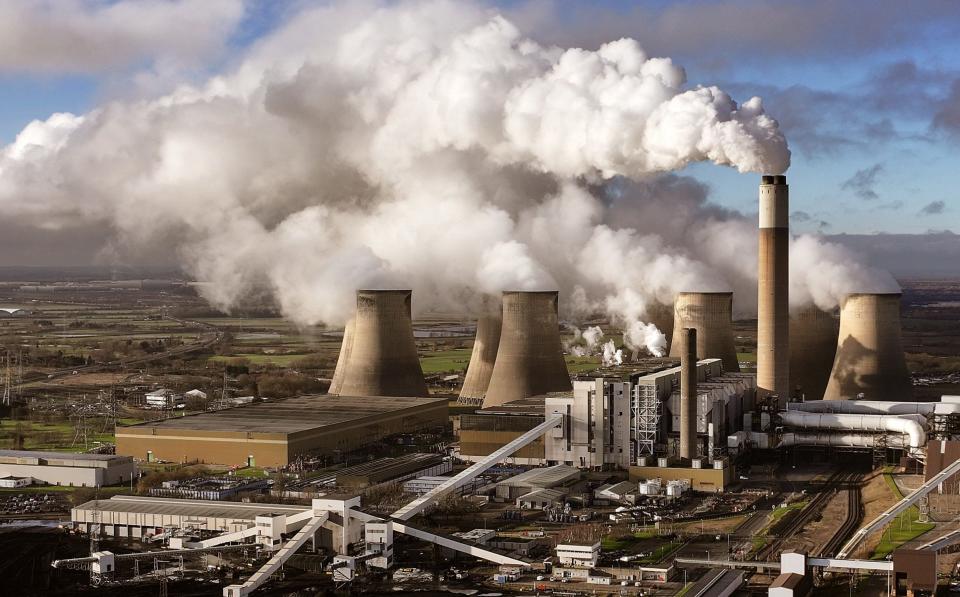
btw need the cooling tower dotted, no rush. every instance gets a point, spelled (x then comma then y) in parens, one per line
(711, 314)
(687, 339)
(813, 345)
(337, 383)
(773, 283)
(530, 357)
(482, 358)
(380, 358)
(869, 358)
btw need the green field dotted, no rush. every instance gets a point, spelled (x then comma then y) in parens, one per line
(904, 527)
(446, 361)
(582, 364)
(57, 437)
(276, 360)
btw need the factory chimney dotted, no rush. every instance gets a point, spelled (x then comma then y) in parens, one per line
(870, 359)
(773, 323)
(378, 356)
(530, 356)
(813, 346)
(711, 314)
(482, 358)
(688, 393)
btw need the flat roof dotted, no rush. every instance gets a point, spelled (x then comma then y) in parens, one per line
(543, 477)
(196, 508)
(289, 415)
(58, 455)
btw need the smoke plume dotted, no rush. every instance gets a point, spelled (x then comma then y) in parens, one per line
(426, 145)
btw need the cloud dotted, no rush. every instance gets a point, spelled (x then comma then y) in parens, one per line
(933, 208)
(800, 217)
(92, 36)
(947, 116)
(862, 182)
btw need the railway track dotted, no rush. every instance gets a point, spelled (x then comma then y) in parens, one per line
(796, 522)
(852, 522)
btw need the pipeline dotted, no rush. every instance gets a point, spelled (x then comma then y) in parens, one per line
(909, 425)
(848, 440)
(875, 407)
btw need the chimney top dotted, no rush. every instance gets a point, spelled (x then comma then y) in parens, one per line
(777, 179)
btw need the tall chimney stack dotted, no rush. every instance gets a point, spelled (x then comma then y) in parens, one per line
(484, 355)
(688, 393)
(378, 356)
(530, 356)
(773, 301)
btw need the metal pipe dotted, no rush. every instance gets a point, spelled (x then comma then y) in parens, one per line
(909, 425)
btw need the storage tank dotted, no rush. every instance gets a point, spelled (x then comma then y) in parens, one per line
(711, 314)
(869, 359)
(813, 346)
(482, 359)
(530, 356)
(379, 356)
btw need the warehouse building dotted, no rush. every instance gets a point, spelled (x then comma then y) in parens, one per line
(273, 433)
(67, 469)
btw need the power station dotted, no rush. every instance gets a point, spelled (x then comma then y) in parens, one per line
(653, 426)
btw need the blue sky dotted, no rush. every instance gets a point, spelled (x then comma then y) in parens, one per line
(867, 92)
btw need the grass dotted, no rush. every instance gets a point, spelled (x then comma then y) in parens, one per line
(446, 360)
(660, 552)
(685, 589)
(781, 512)
(278, 360)
(56, 437)
(582, 364)
(905, 527)
(747, 357)
(611, 543)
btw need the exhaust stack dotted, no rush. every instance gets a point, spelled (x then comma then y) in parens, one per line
(530, 356)
(711, 314)
(482, 359)
(773, 319)
(378, 356)
(688, 393)
(870, 357)
(813, 346)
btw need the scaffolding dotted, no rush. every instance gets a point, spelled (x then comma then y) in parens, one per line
(647, 410)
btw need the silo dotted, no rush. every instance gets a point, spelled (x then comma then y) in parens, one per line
(687, 340)
(869, 359)
(380, 356)
(813, 346)
(530, 356)
(773, 284)
(711, 314)
(345, 346)
(482, 359)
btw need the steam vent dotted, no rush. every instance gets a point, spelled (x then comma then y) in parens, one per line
(530, 356)
(711, 314)
(378, 356)
(773, 284)
(869, 358)
(482, 359)
(813, 346)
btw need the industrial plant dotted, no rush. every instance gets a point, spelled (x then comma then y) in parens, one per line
(523, 458)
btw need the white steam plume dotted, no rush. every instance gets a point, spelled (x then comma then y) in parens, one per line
(420, 144)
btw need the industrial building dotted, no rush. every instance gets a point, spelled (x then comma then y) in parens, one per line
(273, 433)
(64, 468)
